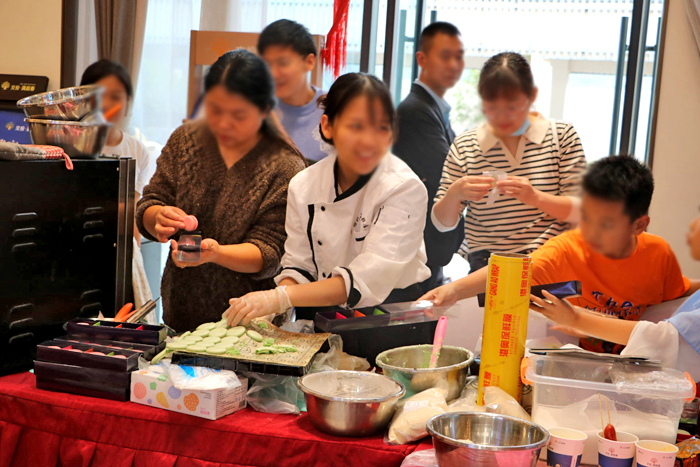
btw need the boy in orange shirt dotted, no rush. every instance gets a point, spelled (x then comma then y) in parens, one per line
(675, 342)
(622, 268)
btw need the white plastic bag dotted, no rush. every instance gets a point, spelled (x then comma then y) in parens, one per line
(425, 458)
(336, 359)
(496, 400)
(466, 402)
(281, 394)
(275, 394)
(412, 414)
(302, 326)
(199, 378)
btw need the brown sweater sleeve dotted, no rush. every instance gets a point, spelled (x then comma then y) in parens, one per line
(162, 189)
(267, 232)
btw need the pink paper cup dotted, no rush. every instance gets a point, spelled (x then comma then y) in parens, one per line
(565, 447)
(618, 453)
(656, 454)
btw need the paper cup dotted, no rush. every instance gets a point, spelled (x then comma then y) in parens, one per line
(656, 454)
(565, 447)
(618, 453)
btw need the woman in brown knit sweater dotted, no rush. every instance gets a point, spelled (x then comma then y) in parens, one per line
(231, 171)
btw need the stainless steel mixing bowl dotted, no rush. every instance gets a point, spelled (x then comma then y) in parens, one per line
(69, 104)
(409, 366)
(350, 403)
(79, 140)
(480, 439)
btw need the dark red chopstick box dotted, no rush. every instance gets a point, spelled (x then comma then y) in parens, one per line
(108, 330)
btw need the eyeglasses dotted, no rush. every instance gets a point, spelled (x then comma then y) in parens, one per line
(510, 112)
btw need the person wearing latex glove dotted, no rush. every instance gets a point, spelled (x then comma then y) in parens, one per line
(263, 304)
(675, 341)
(226, 176)
(542, 159)
(355, 219)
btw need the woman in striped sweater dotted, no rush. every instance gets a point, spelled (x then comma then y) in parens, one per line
(542, 159)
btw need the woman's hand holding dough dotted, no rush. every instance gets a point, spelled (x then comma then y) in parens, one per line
(169, 220)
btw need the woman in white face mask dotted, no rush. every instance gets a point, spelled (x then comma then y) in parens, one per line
(536, 163)
(355, 219)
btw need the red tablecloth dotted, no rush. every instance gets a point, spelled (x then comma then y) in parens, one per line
(41, 428)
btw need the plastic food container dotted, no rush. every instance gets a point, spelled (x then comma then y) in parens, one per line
(570, 392)
(189, 247)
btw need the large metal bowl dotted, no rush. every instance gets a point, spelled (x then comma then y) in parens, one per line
(479, 439)
(350, 403)
(79, 140)
(69, 104)
(409, 366)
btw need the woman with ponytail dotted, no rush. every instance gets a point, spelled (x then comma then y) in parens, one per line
(230, 171)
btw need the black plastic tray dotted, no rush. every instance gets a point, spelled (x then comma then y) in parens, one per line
(370, 342)
(45, 353)
(369, 336)
(148, 351)
(108, 330)
(92, 382)
(188, 359)
(327, 321)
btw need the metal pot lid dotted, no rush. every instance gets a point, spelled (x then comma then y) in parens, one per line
(351, 386)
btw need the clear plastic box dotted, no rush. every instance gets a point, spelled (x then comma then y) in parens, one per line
(571, 393)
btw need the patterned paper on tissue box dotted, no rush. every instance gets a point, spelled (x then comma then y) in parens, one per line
(153, 387)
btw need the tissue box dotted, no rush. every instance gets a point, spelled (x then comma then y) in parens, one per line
(154, 388)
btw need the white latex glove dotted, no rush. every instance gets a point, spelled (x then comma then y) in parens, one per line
(257, 305)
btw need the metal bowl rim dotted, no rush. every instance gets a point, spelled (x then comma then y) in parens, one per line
(363, 400)
(442, 369)
(481, 447)
(90, 89)
(67, 122)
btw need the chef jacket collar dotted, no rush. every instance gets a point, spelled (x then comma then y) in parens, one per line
(357, 186)
(536, 133)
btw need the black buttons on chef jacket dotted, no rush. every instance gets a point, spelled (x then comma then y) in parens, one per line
(323, 208)
(320, 243)
(325, 275)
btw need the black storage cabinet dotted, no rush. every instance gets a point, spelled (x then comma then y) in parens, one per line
(65, 248)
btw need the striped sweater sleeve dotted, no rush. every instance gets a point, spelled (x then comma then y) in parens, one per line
(572, 162)
(454, 168)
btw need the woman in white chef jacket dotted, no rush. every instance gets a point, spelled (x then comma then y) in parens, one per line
(354, 220)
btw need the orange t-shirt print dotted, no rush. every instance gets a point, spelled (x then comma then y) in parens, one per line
(621, 288)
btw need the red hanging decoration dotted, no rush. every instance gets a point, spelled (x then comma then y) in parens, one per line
(336, 49)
